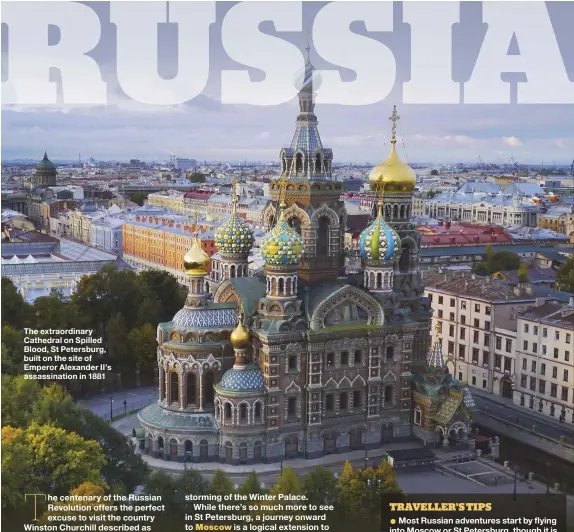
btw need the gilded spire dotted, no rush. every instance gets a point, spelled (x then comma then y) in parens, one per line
(239, 337)
(394, 118)
(435, 358)
(234, 199)
(437, 330)
(282, 196)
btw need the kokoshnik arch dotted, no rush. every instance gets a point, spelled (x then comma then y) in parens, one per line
(300, 361)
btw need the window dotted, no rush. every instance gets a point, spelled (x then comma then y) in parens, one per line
(476, 323)
(461, 349)
(292, 362)
(555, 352)
(485, 358)
(451, 316)
(557, 335)
(552, 410)
(440, 300)
(568, 338)
(291, 407)
(498, 342)
(390, 352)
(451, 302)
(566, 356)
(487, 325)
(531, 402)
(475, 337)
(507, 364)
(343, 401)
(544, 332)
(533, 384)
(451, 348)
(418, 415)
(460, 376)
(227, 411)
(462, 333)
(344, 358)
(476, 307)
(474, 381)
(484, 383)
(524, 362)
(243, 412)
(330, 360)
(508, 347)
(475, 356)
(522, 400)
(543, 349)
(357, 399)
(463, 305)
(497, 361)
(329, 402)
(358, 357)
(540, 406)
(542, 386)
(525, 345)
(534, 347)
(526, 327)
(535, 329)
(565, 376)
(523, 379)
(486, 340)
(439, 327)
(463, 320)
(451, 331)
(554, 372)
(439, 313)
(533, 368)
(553, 390)
(487, 310)
(542, 369)
(257, 413)
(564, 393)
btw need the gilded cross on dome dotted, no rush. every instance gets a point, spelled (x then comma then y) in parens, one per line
(282, 192)
(394, 118)
(234, 199)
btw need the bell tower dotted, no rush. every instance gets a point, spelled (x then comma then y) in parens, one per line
(313, 205)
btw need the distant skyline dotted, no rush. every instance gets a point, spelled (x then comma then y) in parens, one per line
(204, 129)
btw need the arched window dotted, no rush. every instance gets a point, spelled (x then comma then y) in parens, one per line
(329, 403)
(323, 237)
(418, 415)
(405, 259)
(388, 395)
(173, 447)
(232, 271)
(160, 444)
(227, 412)
(295, 224)
(281, 286)
(343, 401)
(299, 163)
(318, 163)
(191, 389)
(203, 450)
(357, 399)
(208, 392)
(243, 413)
(173, 387)
(188, 447)
(390, 352)
(379, 280)
(228, 450)
(257, 412)
(243, 452)
(395, 212)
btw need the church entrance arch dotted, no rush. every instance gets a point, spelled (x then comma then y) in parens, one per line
(329, 443)
(203, 450)
(387, 432)
(291, 447)
(356, 439)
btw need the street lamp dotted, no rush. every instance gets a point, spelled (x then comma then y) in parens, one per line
(366, 456)
(111, 409)
(373, 485)
(281, 467)
(547, 478)
(125, 407)
(515, 467)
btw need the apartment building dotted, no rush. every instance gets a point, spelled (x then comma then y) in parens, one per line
(477, 321)
(545, 360)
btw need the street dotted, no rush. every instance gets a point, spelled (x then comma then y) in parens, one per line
(135, 399)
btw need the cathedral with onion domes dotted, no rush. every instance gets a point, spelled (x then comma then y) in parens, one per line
(302, 360)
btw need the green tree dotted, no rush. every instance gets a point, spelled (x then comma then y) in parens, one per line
(162, 484)
(432, 193)
(497, 262)
(139, 197)
(83, 507)
(148, 310)
(143, 346)
(320, 486)
(565, 275)
(48, 459)
(288, 484)
(167, 290)
(12, 350)
(251, 485)
(14, 308)
(434, 172)
(523, 273)
(197, 177)
(117, 339)
(19, 396)
(220, 483)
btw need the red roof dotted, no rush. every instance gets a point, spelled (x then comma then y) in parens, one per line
(461, 234)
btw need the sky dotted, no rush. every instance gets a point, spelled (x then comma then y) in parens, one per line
(206, 129)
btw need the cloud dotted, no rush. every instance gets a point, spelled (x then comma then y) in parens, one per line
(560, 143)
(513, 142)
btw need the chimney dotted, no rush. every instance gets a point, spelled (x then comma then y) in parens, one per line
(571, 302)
(539, 302)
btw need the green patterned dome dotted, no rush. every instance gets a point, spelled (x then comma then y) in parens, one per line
(282, 246)
(379, 241)
(45, 164)
(234, 236)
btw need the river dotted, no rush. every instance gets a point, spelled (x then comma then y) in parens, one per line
(545, 467)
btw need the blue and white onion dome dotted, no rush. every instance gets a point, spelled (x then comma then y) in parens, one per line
(282, 246)
(234, 236)
(246, 379)
(379, 241)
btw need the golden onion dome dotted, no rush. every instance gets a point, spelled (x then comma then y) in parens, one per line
(196, 261)
(239, 337)
(392, 175)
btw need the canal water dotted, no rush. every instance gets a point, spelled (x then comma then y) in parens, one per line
(546, 467)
